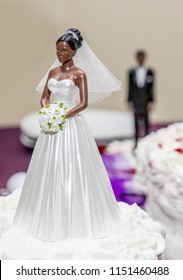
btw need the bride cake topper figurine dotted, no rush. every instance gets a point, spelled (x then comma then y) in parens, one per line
(101, 82)
(67, 196)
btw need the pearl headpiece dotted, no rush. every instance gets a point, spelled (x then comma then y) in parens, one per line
(73, 34)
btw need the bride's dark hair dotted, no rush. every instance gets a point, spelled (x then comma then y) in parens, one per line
(72, 37)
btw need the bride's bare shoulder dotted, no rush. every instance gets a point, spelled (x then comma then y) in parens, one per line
(80, 73)
(54, 71)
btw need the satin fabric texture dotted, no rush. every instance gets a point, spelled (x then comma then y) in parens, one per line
(67, 192)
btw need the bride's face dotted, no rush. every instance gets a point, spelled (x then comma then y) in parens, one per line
(64, 52)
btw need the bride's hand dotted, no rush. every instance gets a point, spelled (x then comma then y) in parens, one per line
(67, 115)
(44, 102)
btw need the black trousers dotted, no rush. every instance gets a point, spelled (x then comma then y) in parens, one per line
(138, 117)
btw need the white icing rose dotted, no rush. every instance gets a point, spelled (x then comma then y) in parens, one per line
(160, 164)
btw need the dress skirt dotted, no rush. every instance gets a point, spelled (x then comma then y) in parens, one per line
(67, 192)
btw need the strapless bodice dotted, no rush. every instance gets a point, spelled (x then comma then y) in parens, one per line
(64, 90)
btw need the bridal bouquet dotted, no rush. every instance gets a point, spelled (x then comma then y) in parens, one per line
(52, 117)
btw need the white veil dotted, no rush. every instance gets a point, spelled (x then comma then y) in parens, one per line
(101, 82)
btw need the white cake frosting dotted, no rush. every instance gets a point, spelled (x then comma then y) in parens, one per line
(139, 237)
(160, 169)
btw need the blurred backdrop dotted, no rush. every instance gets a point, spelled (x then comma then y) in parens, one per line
(114, 29)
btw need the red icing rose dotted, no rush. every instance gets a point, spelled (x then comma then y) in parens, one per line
(179, 139)
(179, 150)
(160, 145)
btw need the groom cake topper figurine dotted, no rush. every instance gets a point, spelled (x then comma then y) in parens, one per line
(141, 93)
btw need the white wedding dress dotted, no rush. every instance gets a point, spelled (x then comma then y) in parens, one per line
(67, 198)
(67, 193)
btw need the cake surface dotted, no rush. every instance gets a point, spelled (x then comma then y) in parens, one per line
(138, 237)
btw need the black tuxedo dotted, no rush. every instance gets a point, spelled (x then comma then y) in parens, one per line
(140, 98)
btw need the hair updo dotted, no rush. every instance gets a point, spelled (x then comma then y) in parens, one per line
(140, 52)
(72, 37)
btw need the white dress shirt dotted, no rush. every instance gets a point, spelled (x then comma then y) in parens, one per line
(141, 72)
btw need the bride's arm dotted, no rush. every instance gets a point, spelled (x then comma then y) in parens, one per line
(45, 98)
(81, 82)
